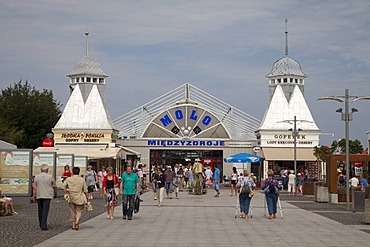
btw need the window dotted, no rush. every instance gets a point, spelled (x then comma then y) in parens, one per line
(88, 79)
(285, 80)
(77, 79)
(296, 80)
(272, 81)
(279, 80)
(291, 79)
(101, 80)
(300, 81)
(94, 80)
(82, 79)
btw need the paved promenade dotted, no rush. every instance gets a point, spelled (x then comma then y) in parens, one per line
(208, 221)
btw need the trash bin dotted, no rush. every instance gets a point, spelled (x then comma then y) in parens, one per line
(358, 200)
(308, 188)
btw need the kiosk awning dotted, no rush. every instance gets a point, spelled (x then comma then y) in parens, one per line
(90, 152)
(303, 154)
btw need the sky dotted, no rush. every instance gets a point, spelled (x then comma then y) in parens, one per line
(225, 48)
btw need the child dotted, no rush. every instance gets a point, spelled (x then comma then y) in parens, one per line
(176, 184)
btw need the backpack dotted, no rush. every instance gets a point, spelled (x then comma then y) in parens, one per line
(246, 188)
(272, 189)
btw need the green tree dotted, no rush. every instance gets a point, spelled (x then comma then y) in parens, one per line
(320, 151)
(27, 115)
(355, 146)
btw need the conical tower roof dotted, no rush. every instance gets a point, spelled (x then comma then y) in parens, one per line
(286, 66)
(79, 114)
(88, 66)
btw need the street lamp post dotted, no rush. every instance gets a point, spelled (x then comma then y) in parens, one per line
(295, 151)
(346, 116)
(295, 133)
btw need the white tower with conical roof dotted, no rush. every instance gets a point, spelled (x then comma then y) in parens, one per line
(85, 118)
(286, 101)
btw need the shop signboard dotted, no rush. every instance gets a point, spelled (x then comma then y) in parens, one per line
(358, 168)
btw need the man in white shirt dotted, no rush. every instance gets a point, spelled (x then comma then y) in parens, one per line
(291, 182)
(209, 175)
(353, 182)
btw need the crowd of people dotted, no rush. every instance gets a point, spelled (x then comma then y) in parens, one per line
(78, 189)
(291, 182)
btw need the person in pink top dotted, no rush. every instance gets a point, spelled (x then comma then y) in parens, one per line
(101, 174)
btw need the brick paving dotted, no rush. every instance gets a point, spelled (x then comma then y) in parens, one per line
(23, 229)
(205, 219)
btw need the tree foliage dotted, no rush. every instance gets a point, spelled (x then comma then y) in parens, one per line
(27, 115)
(320, 151)
(339, 147)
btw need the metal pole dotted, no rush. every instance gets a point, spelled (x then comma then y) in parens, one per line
(295, 150)
(346, 113)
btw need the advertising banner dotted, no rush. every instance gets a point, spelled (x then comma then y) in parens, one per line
(81, 162)
(43, 158)
(15, 166)
(62, 160)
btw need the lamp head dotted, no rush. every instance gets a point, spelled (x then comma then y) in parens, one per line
(340, 110)
(354, 110)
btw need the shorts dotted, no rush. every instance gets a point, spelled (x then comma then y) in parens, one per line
(100, 184)
(91, 188)
(233, 182)
(176, 189)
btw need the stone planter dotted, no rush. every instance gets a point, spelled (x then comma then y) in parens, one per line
(367, 212)
(342, 197)
(322, 194)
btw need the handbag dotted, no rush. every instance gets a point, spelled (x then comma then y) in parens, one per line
(88, 206)
(66, 197)
(136, 205)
